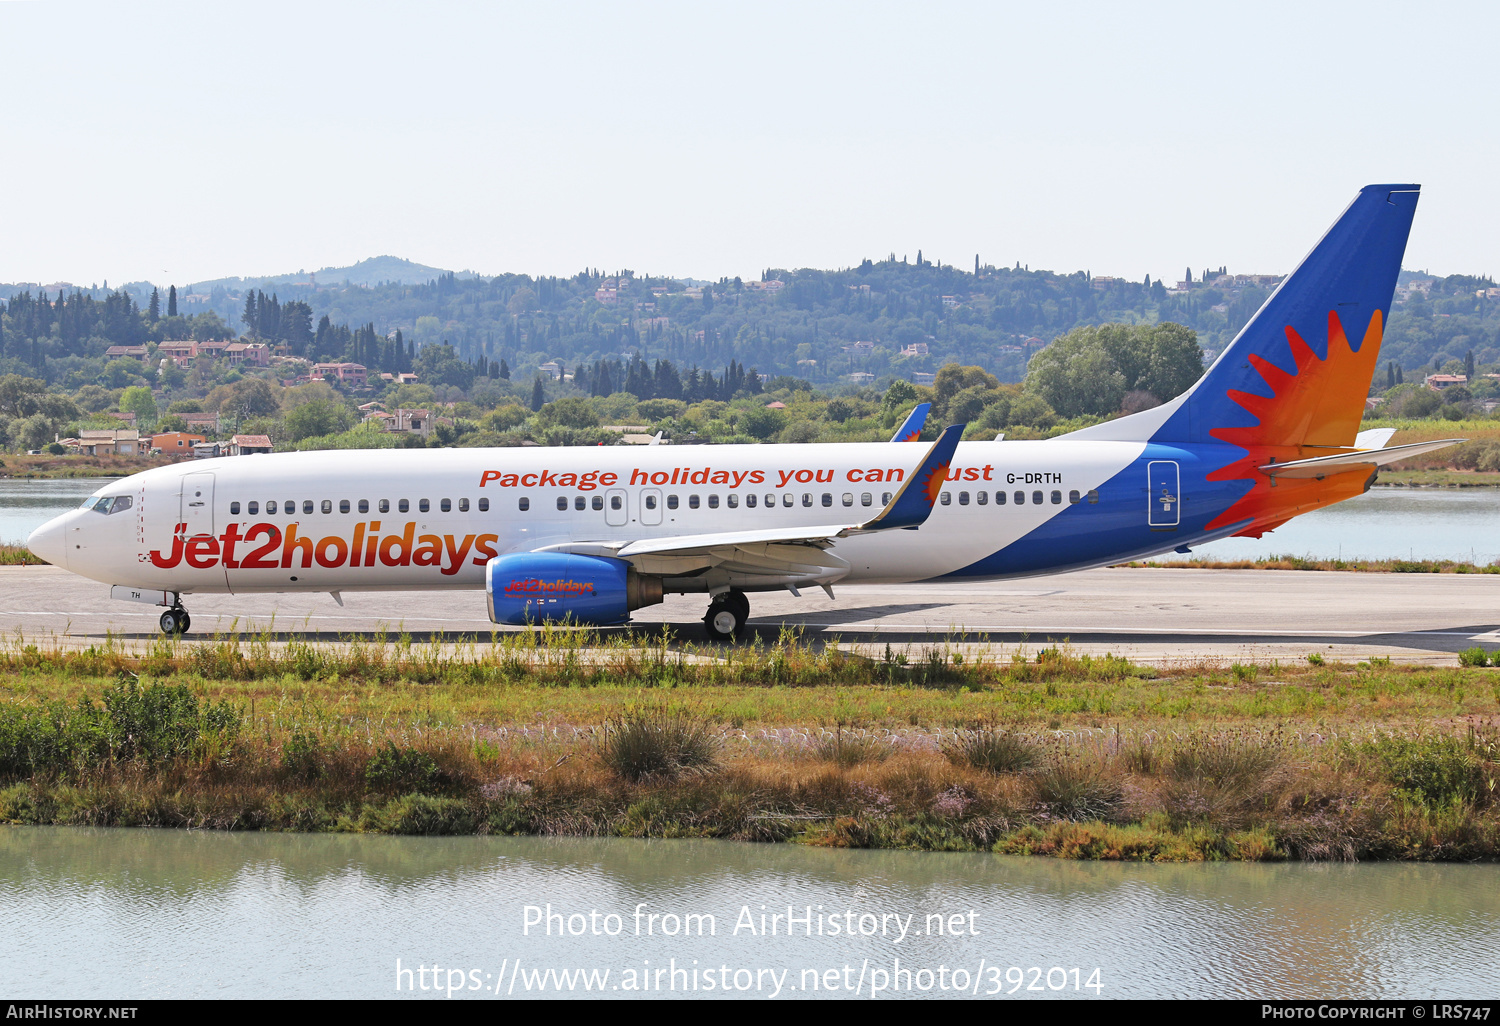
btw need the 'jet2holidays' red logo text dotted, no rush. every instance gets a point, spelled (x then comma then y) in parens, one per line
(267, 547)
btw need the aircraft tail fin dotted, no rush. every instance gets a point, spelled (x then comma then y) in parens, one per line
(911, 429)
(1299, 372)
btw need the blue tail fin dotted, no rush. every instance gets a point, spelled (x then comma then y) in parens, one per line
(1299, 372)
(913, 502)
(911, 430)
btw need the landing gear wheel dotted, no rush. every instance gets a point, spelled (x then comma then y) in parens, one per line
(726, 617)
(175, 621)
(740, 604)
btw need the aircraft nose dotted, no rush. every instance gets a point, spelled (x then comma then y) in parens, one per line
(50, 541)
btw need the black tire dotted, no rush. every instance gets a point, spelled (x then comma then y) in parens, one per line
(723, 620)
(169, 622)
(185, 622)
(740, 603)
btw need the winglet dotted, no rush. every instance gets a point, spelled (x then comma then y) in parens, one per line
(911, 505)
(911, 430)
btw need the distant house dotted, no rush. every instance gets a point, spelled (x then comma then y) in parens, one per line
(246, 445)
(179, 442)
(553, 369)
(915, 349)
(207, 450)
(345, 373)
(125, 352)
(124, 442)
(404, 378)
(775, 406)
(127, 417)
(923, 378)
(208, 423)
(1439, 382)
(180, 353)
(861, 348)
(608, 296)
(862, 378)
(951, 301)
(256, 353)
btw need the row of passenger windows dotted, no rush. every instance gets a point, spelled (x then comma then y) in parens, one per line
(1019, 497)
(616, 502)
(289, 507)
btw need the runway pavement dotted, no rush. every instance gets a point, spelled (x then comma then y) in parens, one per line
(1151, 615)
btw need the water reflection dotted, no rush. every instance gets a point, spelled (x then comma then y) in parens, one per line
(160, 913)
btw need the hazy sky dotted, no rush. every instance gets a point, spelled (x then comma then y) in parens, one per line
(183, 141)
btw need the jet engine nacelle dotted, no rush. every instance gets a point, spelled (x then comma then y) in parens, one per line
(529, 587)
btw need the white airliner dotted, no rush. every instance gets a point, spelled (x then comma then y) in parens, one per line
(589, 534)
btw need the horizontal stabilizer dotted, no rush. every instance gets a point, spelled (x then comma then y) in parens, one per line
(1343, 462)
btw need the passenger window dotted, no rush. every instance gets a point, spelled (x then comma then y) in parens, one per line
(463, 505)
(866, 499)
(1056, 497)
(234, 509)
(1036, 498)
(484, 505)
(946, 498)
(848, 499)
(692, 502)
(671, 502)
(385, 505)
(1093, 495)
(307, 506)
(650, 502)
(403, 506)
(523, 504)
(885, 498)
(713, 502)
(446, 505)
(343, 505)
(364, 505)
(423, 505)
(1020, 498)
(999, 498)
(598, 502)
(807, 498)
(963, 498)
(827, 499)
(271, 508)
(614, 502)
(562, 502)
(1074, 498)
(750, 501)
(290, 507)
(733, 500)
(579, 502)
(982, 498)
(252, 508)
(327, 505)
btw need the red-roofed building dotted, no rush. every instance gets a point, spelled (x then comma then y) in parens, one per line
(245, 445)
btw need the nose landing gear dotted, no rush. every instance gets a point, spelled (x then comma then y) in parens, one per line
(726, 615)
(175, 621)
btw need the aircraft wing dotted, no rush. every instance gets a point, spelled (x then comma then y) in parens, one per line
(911, 428)
(1342, 462)
(792, 553)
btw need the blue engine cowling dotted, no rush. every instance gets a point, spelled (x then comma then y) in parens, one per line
(529, 587)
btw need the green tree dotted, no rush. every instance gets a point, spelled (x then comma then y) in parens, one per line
(1088, 371)
(171, 300)
(120, 372)
(762, 423)
(952, 379)
(317, 417)
(538, 394)
(899, 396)
(137, 400)
(572, 411)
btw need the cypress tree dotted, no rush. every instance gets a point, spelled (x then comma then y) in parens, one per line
(538, 394)
(153, 309)
(171, 300)
(504, 371)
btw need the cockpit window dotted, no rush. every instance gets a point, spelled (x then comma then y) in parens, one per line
(108, 504)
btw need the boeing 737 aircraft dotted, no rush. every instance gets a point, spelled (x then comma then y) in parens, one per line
(590, 534)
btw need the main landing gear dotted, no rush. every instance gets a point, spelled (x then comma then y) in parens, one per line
(175, 621)
(726, 615)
